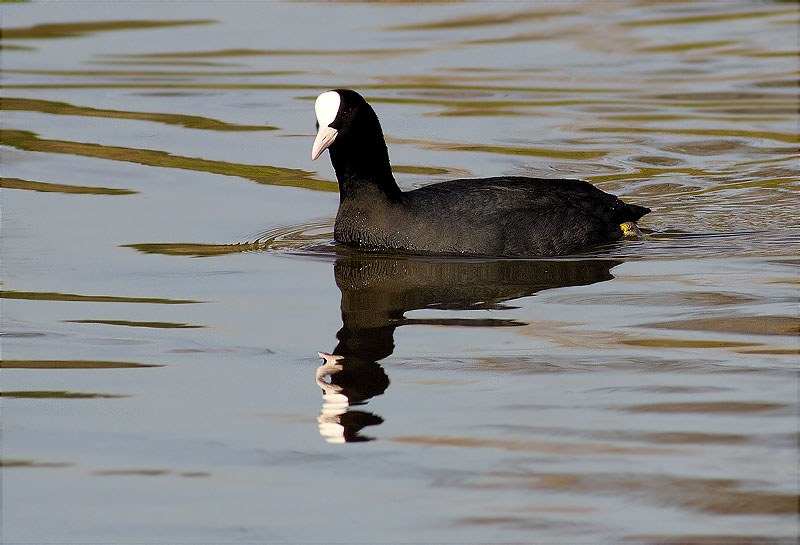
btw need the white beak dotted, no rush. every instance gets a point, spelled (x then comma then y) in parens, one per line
(325, 137)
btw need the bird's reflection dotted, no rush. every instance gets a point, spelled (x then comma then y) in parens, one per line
(377, 291)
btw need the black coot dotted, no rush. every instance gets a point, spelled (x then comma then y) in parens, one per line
(501, 216)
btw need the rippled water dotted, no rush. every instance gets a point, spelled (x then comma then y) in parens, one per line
(162, 313)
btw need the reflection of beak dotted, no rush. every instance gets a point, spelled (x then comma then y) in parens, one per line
(325, 137)
(334, 402)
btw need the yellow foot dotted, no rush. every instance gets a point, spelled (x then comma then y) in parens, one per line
(629, 229)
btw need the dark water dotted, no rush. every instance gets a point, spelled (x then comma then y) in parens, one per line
(169, 276)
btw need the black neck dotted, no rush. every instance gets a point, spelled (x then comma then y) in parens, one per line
(363, 162)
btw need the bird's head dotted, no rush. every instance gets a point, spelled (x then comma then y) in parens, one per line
(340, 113)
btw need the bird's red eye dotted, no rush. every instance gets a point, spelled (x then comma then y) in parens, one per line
(348, 111)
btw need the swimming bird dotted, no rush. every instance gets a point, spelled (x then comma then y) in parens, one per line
(504, 216)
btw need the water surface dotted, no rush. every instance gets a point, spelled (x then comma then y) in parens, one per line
(169, 277)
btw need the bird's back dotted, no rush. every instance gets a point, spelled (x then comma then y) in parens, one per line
(514, 216)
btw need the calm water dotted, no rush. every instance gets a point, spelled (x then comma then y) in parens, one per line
(169, 276)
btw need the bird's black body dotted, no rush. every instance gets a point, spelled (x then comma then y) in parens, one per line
(502, 216)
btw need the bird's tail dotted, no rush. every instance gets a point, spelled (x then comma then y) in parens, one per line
(634, 212)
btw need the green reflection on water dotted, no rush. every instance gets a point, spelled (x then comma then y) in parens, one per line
(191, 249)
(305, 235)
(70, 30)
(769, 135)
(12, 47)
(133, 472)
(260, 52)
(708, 407)
(421, 170)
(188, 121)
(129, 323)
(749, 115)
(54, 296)
(148, 473)
(485, 19)
(711, 18)
(502, 150)
(72, 364)
(687, 46)
(269, 175)
(58, 394)
(45, 187)
(684, 343)
(513, 150)
(153, 73)
(111, 62)
(5, 463)
(744, 325)
(525, 37)
(721, 184)
(766, 54)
